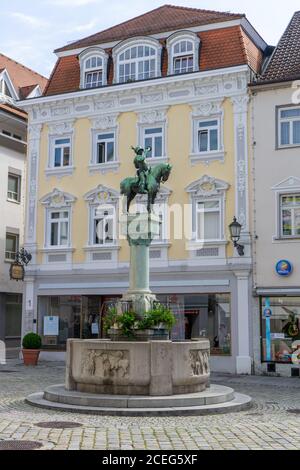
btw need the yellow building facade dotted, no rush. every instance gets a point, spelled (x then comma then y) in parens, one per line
(80, 150)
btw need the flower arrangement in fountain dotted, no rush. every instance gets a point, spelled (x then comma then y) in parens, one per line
(160, 319)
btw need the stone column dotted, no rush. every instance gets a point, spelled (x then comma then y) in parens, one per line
(243, 359)
(140, 230)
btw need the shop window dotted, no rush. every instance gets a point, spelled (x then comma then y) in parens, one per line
(13, 316)
(280, 319)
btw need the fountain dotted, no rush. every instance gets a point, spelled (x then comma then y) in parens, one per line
(126, 375)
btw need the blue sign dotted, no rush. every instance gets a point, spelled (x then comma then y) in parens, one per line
(284, 268)
(267, 312)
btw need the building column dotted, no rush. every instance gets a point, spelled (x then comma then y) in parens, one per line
(243, 358)
(33, 153)
(29, 317)
(240, 111)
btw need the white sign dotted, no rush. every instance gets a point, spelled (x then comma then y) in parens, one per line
(51, 326)
(95, 329)
(277, 335)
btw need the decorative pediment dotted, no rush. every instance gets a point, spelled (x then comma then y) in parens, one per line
(207, 186)
(13, 95)
(60, 128)
(292, 182)
(102, 195)
(107, 121)
(153, 116)
(58, 199)
(207, 108)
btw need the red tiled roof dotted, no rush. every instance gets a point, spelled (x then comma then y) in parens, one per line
(220, 48)
(22, 77)
(284, 64)
(164, 18)
(12, 110)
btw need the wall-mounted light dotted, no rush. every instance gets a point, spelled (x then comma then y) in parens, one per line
(235, 234)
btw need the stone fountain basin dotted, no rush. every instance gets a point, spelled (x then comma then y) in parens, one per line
(154, 368)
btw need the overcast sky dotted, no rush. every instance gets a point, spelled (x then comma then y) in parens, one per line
(31, 29)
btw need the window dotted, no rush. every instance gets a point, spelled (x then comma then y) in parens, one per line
(93, 72)
(208, 220)
(103, 226)
(183, 57)
(58, 234)
(208, 136)
(61, 152)
(105, 148)
(14, 188)
(153, 137)
(290, 215)
(11, 246)
(137, 63)
(289, 127)
(281, 330)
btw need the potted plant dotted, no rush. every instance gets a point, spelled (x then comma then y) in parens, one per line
(31, 349)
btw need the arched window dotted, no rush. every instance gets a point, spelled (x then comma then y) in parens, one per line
(183, 51)
(93, 65)
(140, 60)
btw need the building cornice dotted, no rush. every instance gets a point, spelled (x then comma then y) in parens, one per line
(138, 96)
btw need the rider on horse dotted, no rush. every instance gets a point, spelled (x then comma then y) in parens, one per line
(142, 167)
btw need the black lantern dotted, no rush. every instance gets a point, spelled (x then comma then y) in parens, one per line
(235, 234)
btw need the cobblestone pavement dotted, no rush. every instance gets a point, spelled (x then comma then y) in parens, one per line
(267, 425)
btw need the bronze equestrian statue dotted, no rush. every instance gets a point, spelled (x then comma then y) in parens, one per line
(147, 179)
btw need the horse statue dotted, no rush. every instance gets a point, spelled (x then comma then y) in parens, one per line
(147, 181)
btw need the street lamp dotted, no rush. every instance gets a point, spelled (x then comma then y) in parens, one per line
(235, 234)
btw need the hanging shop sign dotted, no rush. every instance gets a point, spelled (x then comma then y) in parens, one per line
(284, 268)
(17, 271)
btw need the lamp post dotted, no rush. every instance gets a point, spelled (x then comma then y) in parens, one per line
(235, 234)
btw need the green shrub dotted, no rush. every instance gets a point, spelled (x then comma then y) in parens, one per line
(126, 321)
(32, 341)
(110, 318)
(159, 314)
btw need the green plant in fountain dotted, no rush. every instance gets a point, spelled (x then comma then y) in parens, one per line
(160, 315)
(110, 318)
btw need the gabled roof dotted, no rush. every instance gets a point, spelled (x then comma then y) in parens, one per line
(284, 64)
(164, 18)
(22, 77)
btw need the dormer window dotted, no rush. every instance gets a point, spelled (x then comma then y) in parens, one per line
(93, 68)
(137, 59)
(93, 72)
(183, 52)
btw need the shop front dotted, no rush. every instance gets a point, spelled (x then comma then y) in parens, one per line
(280, 333)
(76, 316)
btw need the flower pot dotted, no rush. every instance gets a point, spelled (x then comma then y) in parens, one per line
(30, 356)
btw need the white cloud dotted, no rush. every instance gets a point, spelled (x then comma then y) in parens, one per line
(29, 20)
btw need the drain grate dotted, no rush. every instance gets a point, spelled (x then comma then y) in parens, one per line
(7, 371)
(58, 425)
(295, 411)
(20, 445)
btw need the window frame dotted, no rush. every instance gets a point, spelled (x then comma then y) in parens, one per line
(87, 54)
(92, 228)
(197, 130)
(203, 200)
(153, 136)
(281, 120)
(19, 178)
(61, 146)
(49, 224)
(96, 143)
(136, 42)
(280, 208)
(17, 240)
(176, 38)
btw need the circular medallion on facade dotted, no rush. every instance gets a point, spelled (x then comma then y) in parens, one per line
(284, 268)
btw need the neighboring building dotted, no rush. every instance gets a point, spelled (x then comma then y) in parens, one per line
(176, 79)
(276, 137)
(16, 82)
